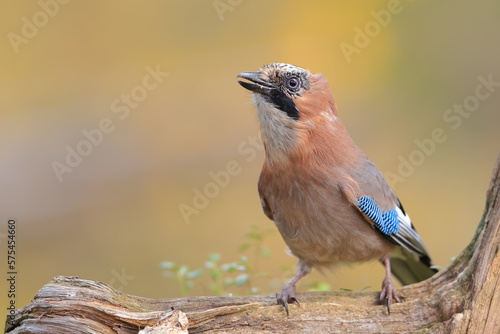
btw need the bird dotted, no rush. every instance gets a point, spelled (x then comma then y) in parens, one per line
(328, 200)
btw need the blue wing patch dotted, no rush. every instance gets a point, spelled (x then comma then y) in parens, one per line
(386, 222)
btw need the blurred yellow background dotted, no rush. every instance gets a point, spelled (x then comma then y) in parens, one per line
(158, 78)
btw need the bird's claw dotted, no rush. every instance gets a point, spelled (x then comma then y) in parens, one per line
(388, 293)
(287, 297)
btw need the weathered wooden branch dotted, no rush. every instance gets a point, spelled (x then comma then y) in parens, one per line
(462, 298)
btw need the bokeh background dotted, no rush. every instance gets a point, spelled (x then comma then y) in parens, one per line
(117, 212)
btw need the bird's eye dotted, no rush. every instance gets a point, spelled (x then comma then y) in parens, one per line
(293, 83)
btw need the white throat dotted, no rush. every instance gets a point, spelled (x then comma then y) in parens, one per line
(277, 130)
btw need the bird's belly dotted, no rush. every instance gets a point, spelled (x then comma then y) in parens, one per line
(331, 235)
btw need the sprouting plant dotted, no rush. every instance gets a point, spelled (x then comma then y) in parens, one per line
(255, 238)
(181, 274)
(223, 277)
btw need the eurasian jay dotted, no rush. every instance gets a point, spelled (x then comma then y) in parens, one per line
(328, 200)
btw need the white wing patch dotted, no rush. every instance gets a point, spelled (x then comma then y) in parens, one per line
(404, 218)
(407, 236)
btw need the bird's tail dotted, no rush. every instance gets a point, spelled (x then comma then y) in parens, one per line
(409, 267)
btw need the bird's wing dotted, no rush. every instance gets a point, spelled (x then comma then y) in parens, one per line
(367, 189)
(393, 224)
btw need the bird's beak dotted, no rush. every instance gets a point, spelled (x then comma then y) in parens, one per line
(256, 84)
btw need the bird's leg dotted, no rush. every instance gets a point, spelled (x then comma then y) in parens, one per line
(388, 289)
(287, 295)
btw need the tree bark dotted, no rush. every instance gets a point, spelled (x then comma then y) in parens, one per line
(462, 298)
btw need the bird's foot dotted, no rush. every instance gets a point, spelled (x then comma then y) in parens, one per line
(388, 293)
(287, 296)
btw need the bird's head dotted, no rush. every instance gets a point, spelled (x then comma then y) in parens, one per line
(279, 85)
(291, 103)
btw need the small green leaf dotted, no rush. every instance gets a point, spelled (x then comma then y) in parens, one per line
(214, 257)
(254, 236)
(183, 270)
(194, 274)
(241, 267)
(187, 286)
(320, 286)
(230, 267)
(215, 274)
(241, 279)
(265, 252)
(244, 247)
(344, 289)
(167, 265)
